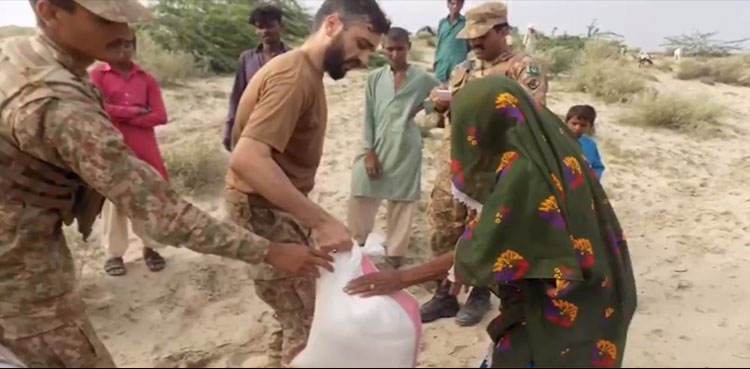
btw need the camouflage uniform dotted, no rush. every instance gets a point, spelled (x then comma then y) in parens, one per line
(58, 151)
(292, 298)
(447, 216)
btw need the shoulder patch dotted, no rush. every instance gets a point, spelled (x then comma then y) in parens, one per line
(532, 70)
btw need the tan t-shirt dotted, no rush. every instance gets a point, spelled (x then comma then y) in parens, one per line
(284, 106)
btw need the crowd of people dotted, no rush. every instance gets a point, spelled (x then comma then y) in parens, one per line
(516, 210)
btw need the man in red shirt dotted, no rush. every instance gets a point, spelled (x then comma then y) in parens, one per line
(133, 100)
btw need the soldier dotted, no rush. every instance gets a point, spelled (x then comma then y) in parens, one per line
(58, 153)
(487, 30)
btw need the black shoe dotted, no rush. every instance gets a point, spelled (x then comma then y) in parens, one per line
(476, 306)
(442, 305)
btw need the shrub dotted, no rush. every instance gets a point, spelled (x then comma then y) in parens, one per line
(558, 59)
(168, 67)
(688, 114)
(733, 70)
(217, 32)
(196, 167)
(377, 60)
(601, 71)
(691, 69)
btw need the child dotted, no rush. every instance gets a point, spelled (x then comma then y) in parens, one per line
(580, 120)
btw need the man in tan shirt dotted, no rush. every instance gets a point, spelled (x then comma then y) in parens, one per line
(278, 142)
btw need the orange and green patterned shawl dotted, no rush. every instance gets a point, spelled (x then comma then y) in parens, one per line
(546, 238)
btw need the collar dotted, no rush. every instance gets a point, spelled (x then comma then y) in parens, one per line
(67, 60)
(106, 67)
(460, 19)
(284, 48)
(505, 56)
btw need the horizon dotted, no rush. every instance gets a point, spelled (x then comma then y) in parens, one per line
(642, 23)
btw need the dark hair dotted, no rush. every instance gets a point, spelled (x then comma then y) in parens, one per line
(398, 34)
(585, 112)
(265, 12)
(499, 27)
(66, 5)
(449, 1)
(350, 10)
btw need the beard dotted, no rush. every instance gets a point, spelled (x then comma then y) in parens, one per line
(334, 59)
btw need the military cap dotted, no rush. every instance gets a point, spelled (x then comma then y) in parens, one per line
(119, 11)
(481, 19)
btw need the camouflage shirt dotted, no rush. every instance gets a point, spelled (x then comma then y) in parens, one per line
(50, 110)
(514, 65)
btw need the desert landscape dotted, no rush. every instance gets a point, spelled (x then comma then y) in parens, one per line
(678, 164)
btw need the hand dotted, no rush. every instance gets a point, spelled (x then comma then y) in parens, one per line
(372, 165)
(376, 284)
(333, 236)
(298, 260)
(441, 106)
(143, 111)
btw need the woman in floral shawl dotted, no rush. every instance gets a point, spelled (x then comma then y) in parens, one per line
(545, 240)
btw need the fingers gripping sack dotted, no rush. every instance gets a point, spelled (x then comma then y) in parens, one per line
(351, 331)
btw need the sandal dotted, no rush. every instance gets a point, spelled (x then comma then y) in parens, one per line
(115, 267)
(154, 261)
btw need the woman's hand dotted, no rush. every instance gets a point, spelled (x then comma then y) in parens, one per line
(376, 284)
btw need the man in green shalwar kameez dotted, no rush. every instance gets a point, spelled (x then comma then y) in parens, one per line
(390, 166)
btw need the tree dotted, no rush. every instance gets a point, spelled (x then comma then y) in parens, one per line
(216, 32)
(703, 44)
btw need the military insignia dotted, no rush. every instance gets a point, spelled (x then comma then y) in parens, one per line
(532, 70)
(533, 84)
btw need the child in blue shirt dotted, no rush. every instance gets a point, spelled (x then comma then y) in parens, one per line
(580, 120)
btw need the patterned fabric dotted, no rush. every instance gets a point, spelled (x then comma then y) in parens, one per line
(292, 299)
(546, 239)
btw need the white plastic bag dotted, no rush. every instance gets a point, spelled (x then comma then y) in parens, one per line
(350, 331)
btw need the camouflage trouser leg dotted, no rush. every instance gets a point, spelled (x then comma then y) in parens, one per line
(291, 298)
(72, 345)
(448, 218)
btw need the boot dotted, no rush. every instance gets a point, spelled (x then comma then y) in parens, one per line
(476, 306)
(442, 305)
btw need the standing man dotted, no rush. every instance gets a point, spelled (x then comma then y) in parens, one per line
(133, 100)
(391, 165)
(58, 153)
(268, 23)
(486, 29)
(450, 50)
(277, 146)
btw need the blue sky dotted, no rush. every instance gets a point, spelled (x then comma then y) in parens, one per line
(644, 23)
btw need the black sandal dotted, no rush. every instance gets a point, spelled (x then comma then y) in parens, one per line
(154, 261)
(115, 267)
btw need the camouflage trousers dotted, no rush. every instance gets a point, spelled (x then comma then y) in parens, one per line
(72, 345)
(291, 298)
(448, 217)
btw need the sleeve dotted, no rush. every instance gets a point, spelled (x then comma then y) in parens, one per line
(240, 82)
(122, 112)
(277, 111)
(369, 113)
(158, 114)
(85, 140)
(533, 79)
(596, 161)
(430, 82)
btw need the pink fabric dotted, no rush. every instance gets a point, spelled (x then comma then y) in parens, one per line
(407, 302)
(124, 98)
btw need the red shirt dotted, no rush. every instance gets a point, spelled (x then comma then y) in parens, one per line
(124, 99)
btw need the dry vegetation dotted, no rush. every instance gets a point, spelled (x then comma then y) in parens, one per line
(197, 167)
(697, 115)
(168, 67)
(732, 70)
(601, 72)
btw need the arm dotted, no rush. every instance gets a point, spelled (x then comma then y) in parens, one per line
(369, 125)
(531, 76)
(240, 82)
(596, 162)
(157, 114)
(252, 162)
(116, 112)
(388, 282)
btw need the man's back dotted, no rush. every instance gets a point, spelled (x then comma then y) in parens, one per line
(284, 106)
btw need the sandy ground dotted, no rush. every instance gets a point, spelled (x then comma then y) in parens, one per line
(683, 202)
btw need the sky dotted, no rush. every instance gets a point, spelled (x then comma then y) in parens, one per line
(644, 23)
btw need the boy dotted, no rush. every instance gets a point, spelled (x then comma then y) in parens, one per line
(580, 120)
(390, 165)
